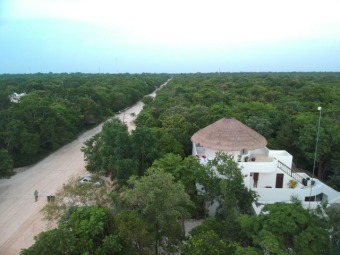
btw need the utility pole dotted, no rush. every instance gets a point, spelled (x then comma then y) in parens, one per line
(315, 155)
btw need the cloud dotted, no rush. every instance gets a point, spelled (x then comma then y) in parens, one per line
(174, 21)
(224, 31)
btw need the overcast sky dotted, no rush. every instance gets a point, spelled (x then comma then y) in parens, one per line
(174, 36)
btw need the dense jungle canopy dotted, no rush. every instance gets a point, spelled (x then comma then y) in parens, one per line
(57, 107)
(280, 106)
(154, 177)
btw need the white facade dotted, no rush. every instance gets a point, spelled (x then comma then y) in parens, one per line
(268, 172)
(15, 97)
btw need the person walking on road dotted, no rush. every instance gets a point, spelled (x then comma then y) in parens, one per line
(36, 195)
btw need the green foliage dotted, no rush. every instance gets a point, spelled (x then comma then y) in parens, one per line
(185, 171)
(228, 229)
(135, 230)
(166, 143)
(84, 230)
(280, 229)
(180, 128)
(208, 243)
(211, 223)
(116, 151)
(162, 204)
(109, 151)
(74, 195)
(283, 227)
(334, 216)
(144, 148)
(147, 99)
(112, 244)
(247, 251)
(230, 190)
(328, 143)
(57, 107)
(6, 164)
(226, 239)
(260, 125)
(270, 103)
(149, 219)
(53, 242)
(89, 225)
(114, 145)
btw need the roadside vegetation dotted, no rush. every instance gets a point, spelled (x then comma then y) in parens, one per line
(154, 175)
(58, 107)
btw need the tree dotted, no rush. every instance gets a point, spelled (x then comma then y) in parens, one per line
(208, 243)
(53, 242)
(144, 148)
(92, 154)
(334, 216)
(115, 151)
(222, 180)
(328, 142)
(284, 228)
(166, 143)
(114, 135)
(82, 230)
(198, 115)
(90, 225)
(135, 231)
(180, 128)
(57, 107)
(102, 151)
(146, 119)
(162, 204)
(184, 170)
(210, 238)
(260, 125)
(6, 164)
(147, 99)
(124, 163)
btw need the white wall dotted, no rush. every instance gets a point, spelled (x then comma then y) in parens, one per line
(210, 153)
(267, 176)
(262, 151)
(282, 156)
(284, 195)
(194, 151)
(266, 180)
(259, 167)
(333, 195)
(211, 209)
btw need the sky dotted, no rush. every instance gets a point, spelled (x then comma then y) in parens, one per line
(177, 36)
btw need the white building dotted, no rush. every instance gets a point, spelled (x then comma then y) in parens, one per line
(268, 172)
(15, 97)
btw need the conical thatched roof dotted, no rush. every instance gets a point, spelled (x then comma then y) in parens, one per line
(229, 135)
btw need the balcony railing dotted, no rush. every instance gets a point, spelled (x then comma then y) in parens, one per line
(290, 172)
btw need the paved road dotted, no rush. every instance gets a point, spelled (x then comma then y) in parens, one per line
(20, 217)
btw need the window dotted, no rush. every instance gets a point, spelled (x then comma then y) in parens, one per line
(312, 198)
(244, 151)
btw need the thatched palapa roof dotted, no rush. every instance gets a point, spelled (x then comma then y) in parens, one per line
(228, 134)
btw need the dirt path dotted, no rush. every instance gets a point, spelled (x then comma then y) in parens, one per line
(20, 218)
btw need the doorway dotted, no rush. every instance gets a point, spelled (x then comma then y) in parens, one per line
(279, 181)
(255, 179)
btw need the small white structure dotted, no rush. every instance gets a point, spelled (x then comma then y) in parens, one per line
(268, 172)
(15, 97)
